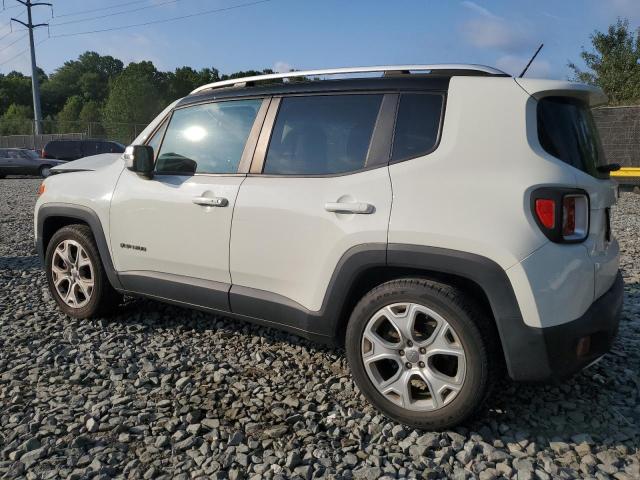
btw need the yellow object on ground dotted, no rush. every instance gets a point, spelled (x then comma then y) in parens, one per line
(627, 172)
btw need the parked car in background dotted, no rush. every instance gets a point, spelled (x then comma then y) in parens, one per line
(20, 161)
(74, 149)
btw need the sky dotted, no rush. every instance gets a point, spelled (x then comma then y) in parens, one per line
(307, 34)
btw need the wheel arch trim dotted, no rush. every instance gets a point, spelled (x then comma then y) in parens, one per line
(523, 346)
(86, 215)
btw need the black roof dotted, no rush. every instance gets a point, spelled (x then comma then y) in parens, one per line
(415, 82)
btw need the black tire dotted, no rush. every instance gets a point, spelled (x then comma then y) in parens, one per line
(44, 171)
(104, 299)
(474, 330)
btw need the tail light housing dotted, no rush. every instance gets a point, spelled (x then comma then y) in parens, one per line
(561, 213)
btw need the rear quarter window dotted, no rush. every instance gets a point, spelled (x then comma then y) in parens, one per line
(417, 125)
(567, 131)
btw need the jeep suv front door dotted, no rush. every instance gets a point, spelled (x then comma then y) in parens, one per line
(320, 186)
(170, 233)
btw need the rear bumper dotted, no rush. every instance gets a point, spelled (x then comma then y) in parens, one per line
(552, 353)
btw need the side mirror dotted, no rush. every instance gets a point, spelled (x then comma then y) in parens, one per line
(139, 159)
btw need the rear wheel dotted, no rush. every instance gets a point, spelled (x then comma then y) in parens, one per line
(418, 351)
(75, 274)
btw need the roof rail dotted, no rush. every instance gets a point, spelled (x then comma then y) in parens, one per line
(451, 67)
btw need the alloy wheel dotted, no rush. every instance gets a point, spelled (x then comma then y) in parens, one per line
(413, 356)
(73, 274)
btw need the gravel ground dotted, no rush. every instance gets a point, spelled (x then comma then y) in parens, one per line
(160, 391)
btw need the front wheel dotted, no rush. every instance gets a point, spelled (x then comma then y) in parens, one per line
(418, 351)
(75, 274)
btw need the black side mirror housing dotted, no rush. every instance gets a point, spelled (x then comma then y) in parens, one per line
(139, 159)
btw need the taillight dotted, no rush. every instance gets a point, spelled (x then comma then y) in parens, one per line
(561, 213)
(546, 212)
(575, 216)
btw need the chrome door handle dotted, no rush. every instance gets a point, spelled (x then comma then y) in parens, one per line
(211, 201)
(349, 207)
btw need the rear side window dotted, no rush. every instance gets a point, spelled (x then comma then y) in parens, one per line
(321, 134)
(207, 138)
(567, 131)
(90, 148)
(417, 125)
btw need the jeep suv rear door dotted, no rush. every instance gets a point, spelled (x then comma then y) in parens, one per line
(170, 234)
(319, 187)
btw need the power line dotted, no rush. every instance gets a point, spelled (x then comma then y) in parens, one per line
(101, 8)
(21, 53)
(6, 35)
(9, 24)
(116, 13)
(13, 43)
(153, 22)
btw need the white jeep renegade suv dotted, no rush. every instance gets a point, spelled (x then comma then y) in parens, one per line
(441, 221)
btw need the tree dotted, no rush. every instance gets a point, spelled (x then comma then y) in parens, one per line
(88, 76)
(15, 88)
(614, 63)
(17, 120)
(134, 98)
(68, 117)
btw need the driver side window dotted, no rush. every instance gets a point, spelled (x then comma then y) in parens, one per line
(208, 138)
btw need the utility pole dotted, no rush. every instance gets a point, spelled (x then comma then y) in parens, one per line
(37, 113)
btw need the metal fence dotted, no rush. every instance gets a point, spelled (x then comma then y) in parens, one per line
(619, 129)
(36, 142)
(22, 134)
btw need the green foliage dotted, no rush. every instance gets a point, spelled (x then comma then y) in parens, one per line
(99, 95)
(134, 97)
(88, 77)
(18, 119)
(614, 63)
(91, 112)
(14, 88)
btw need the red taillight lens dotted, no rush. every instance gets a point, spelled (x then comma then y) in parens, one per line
(546, 212)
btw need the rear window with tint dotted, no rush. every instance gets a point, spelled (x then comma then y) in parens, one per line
(417, 125)
(322, 134)
(567, 131)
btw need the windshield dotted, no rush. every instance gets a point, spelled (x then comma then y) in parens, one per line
(567, 131)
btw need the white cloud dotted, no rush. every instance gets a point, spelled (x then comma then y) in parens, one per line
(282, 67)
(499, 34)
(478, 9)
(488, 30)
(514, 64)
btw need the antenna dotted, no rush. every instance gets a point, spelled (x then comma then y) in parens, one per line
(531, 61)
